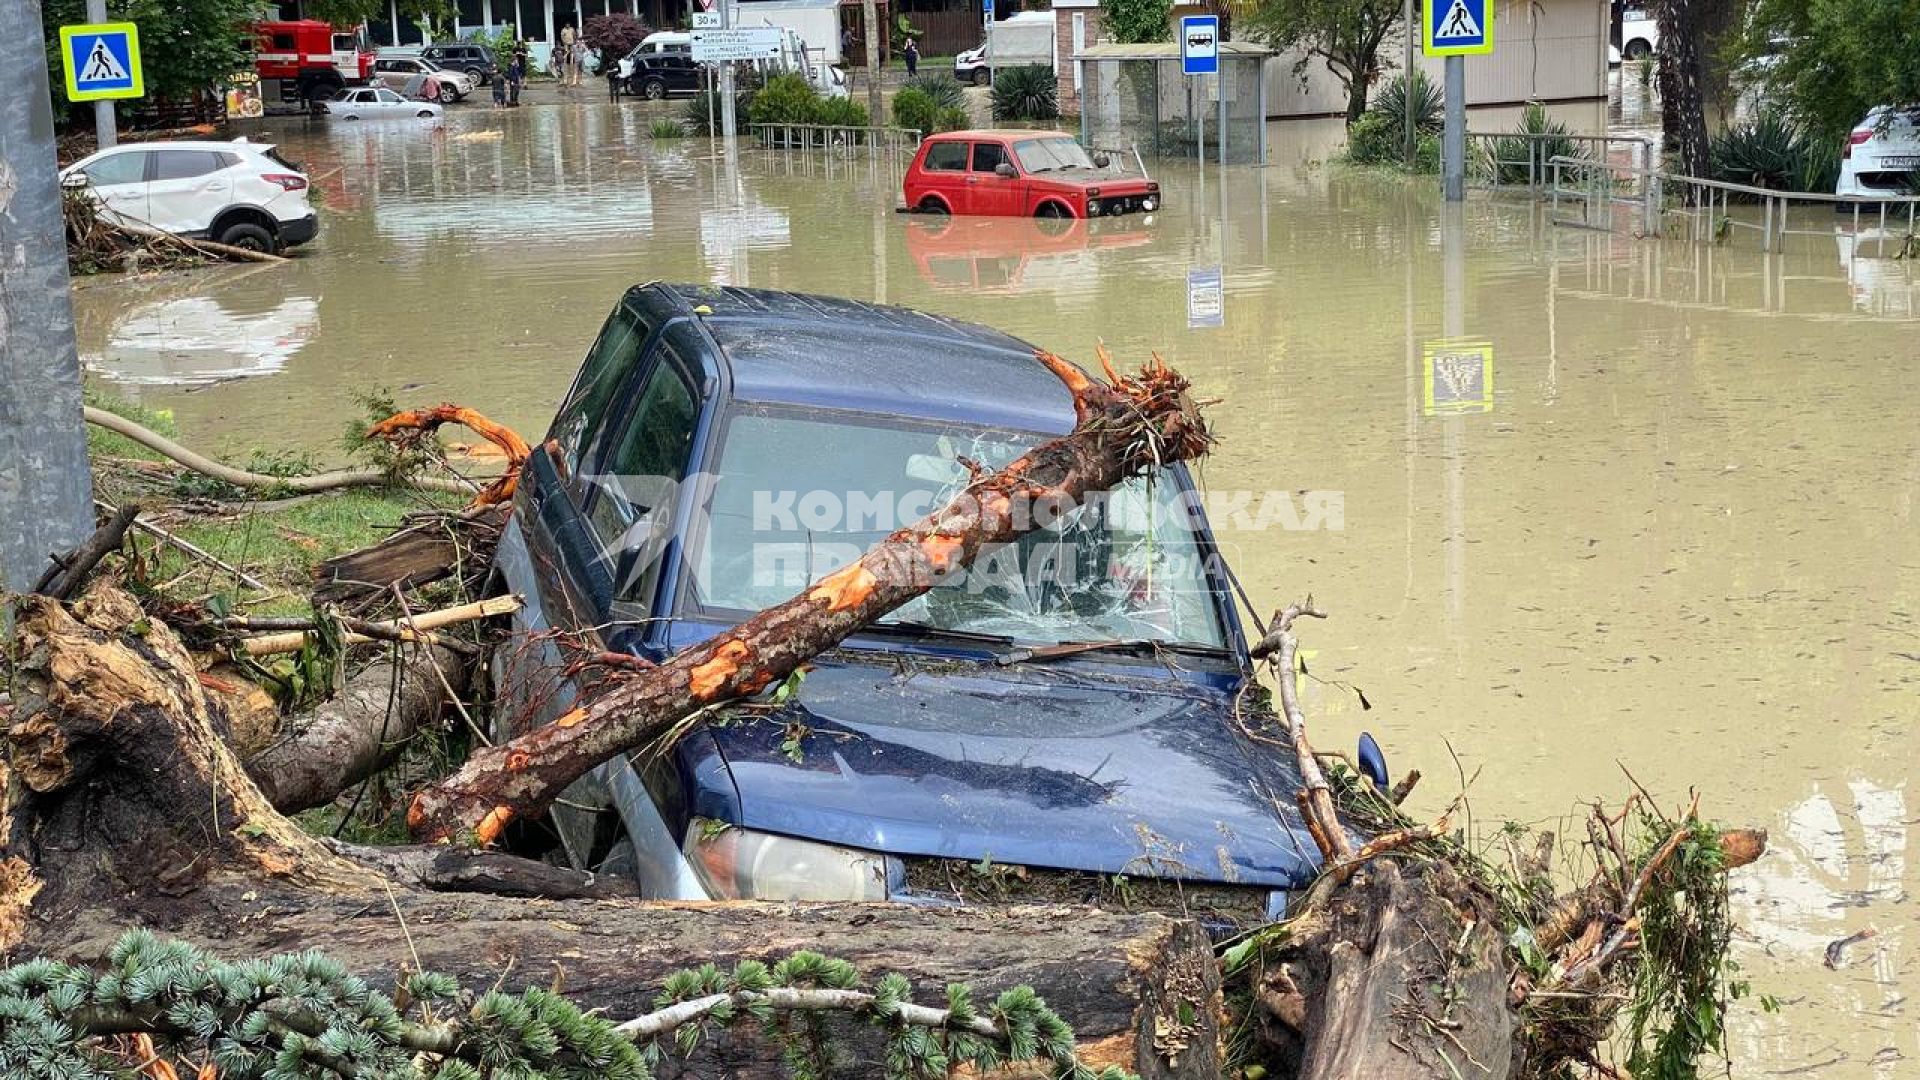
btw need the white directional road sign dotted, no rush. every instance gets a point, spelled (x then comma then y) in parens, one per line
(1200, 44)
(1458, 27)
(102, 61)
(747, 43)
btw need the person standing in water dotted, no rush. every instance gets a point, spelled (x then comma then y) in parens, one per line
(564, 55)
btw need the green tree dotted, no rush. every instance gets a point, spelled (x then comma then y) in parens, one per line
(1346, 35)
(185, 45)
(1134, 22)
(346, 12)
(1829, 61)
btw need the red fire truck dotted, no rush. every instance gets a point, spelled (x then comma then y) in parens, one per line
(308, 60)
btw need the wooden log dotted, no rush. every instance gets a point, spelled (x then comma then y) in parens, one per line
(414, 556)
(358, 731)
(1123, 428)
(392, 630)
(64, 578)
(1141, 991)
(441, 868)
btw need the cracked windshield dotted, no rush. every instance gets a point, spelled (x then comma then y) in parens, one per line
(1088, 537)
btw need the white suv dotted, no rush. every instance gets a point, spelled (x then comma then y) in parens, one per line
(237, 193)
(1882, 156)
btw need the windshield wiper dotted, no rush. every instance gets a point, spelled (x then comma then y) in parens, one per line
(1075, 648)
(903, 627)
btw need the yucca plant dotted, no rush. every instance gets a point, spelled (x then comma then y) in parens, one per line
(1539, 139)
(1029, 92)
(667, 128)
(709, 103)
(1428, 103)
(944, 89)
(1773, 152)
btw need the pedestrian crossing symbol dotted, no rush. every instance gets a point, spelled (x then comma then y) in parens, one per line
(102, 61)
(1458, 27)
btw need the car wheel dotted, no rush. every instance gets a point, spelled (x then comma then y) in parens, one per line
(1638, 49)
(982, 77)
(448, 94)
(248, 237)
(1051, 210)
(654, 90)
(479, 77)
(931, 205)
(425, 114)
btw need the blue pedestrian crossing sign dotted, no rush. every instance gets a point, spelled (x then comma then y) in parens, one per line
(102, 61)
(1458, 27)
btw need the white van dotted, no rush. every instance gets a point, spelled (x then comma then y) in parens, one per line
(1015, 41)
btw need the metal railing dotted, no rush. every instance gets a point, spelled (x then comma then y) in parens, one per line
(1709, 206)
(1524, 160)
(832, 137)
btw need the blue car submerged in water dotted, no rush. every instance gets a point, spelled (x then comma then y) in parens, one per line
(1055, 724)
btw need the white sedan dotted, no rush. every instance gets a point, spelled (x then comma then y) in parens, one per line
(377, 103)
(1882, 155)
(397, 72)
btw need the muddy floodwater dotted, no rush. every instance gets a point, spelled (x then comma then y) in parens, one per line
(1671, 529)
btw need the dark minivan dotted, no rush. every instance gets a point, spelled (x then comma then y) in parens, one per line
(1059, 725)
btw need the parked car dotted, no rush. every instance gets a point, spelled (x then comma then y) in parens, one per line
(238, 193)
(1639, 36)
(1882, 155)
(399, 73)
(1017, 40)
(475, 60)
(655, 75)
(956, 734)
(377, 103)
(1019, 174)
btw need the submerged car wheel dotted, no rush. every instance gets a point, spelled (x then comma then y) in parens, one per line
(931, 205)
(425, 114)
(248, 237)
(448, 95)
(1051, 210)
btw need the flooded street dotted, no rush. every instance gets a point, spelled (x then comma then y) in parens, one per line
(1680, 542)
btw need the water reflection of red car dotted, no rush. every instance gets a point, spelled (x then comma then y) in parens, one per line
(1001, 254)
(1020, 174)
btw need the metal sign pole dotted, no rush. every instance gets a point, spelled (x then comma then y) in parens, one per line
(46, 492)
(1406, 77)
(1455, 140)
(103, 120)
(729, 123)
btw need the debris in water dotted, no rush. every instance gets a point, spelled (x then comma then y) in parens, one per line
(1837, 950)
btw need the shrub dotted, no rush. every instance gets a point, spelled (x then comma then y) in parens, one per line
(693, 115)
(1375, 139)
(786, 99)
(1429, 103)
(1507, 161)
(952, 119)
(944, 89)
(1771, 151)
(841, 112)
(667, 128)
(915, 110)
(1028, 92)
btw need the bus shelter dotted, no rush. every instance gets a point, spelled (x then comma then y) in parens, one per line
(1137, 95)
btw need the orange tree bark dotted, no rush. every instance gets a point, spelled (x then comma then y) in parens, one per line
(1124, 427)
(415, 424)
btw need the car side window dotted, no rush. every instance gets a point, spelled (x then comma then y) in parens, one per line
(388, 95)
(947, 157)
(588, 406)
(364, 96)
(184, 164)
(632, 512)
(128, 168)
(988, 156)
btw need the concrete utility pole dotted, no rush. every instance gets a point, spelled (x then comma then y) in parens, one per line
(1454, 141)
(103, 122)
(729, 123)
(46, 493)
(870, 15)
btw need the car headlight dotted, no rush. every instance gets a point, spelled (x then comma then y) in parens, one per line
(1150, 203)
(1093, 207)
(745, 864)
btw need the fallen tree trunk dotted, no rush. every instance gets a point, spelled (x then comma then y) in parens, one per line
(1125, 427)
(358, 731)
(423, 552)
(125, 810)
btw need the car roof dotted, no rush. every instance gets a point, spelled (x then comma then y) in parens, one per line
(996, 133)
(232, 146)
(828, 352)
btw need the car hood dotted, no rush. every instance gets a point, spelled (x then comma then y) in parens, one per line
(1105, 181)
(1045, 766)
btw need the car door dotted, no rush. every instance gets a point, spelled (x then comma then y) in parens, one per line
(186, 188)
(944, 172)
(987, 191)
(388, 103)
(683, 74)
(118, 182)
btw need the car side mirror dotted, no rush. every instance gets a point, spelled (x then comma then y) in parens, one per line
(1005, 169)
(1101, 161)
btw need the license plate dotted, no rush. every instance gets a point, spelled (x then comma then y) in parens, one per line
(1900, 161)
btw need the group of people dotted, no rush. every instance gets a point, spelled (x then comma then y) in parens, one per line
(507, 84)
(568, 64)
(569, 57)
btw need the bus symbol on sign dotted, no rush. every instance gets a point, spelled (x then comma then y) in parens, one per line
(1200, 44)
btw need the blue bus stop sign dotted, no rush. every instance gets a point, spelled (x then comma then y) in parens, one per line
(1200, 44)
(1457, 27)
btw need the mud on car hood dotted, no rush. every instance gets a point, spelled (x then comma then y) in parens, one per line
(1044, 766)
